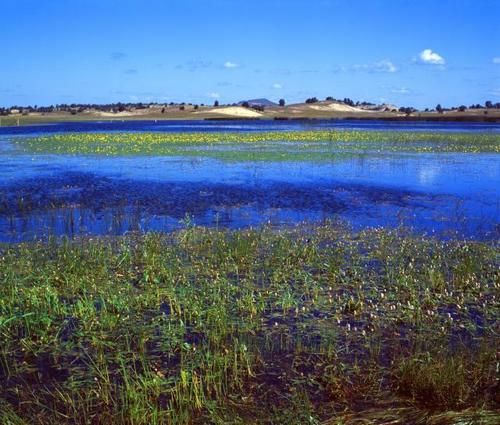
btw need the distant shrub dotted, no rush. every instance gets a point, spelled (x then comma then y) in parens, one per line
(216, 103)
(282, 102)
(407, 110)
(312, 100)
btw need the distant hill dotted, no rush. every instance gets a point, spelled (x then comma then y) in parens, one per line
(258, 102)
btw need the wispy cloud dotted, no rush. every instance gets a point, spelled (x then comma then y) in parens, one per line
(213, 95)
(230, 65)
(277, 86)
(429, 57)
(496, 60)
(130, 71)
(116, 56)
(401, 90)
(194, 65)
(384, 65)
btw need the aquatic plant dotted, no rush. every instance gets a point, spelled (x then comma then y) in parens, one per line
(317, 145)
(251, 326)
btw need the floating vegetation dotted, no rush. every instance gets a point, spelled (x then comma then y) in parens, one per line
(302, 325)
(279, 145)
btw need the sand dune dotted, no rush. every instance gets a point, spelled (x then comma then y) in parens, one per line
(117, 114)
(337, 107)
(236, 111)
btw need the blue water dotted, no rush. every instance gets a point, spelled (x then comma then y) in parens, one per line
(248, 125)
(446, 195)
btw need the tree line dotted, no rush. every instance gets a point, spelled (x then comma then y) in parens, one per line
(75, 108)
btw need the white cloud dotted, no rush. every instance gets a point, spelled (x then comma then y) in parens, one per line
(496, 60)
(213, 95)
(277, 86)
(230, 65)
(429, 57)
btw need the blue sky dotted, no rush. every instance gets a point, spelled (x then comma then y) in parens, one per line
(407, 52)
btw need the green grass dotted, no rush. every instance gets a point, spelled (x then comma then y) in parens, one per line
(308, 324)
(259, 146)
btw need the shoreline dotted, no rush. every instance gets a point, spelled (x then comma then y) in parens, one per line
(11, 122)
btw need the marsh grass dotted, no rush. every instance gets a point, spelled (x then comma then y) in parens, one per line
(302, 325)
(314, 145)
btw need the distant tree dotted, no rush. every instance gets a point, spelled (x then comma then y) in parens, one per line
(163, 110)
(439, 108)
(330, 99)
(282, 102)
(312, 100)
(216, 103)
(245, 104)
(407, 110)
(182, 107)
(488, 104)
(462, 108)
(348, 101)
(195, 107)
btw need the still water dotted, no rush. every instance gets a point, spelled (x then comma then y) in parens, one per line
(444, 194)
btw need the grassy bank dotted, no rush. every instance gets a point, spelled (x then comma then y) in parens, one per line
(304, 325)
(290, 112)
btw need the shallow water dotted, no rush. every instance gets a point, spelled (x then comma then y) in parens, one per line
(446, 194)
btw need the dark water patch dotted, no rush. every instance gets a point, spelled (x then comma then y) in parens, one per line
(81, 203)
